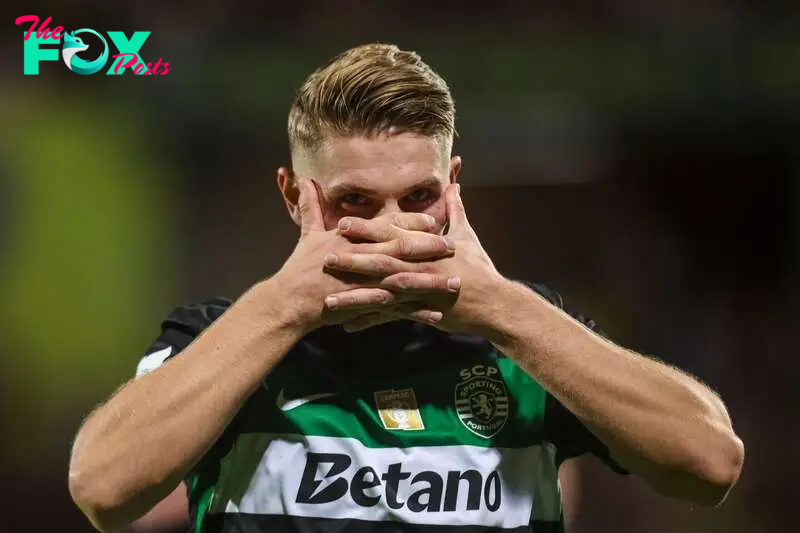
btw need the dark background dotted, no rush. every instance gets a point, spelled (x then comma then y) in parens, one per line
(640, 157)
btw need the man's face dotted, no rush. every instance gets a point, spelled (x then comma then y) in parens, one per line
(370, 177)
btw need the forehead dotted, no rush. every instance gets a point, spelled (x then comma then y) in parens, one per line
(381, 163)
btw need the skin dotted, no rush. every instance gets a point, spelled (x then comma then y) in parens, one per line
(371, 250)
(658, 422)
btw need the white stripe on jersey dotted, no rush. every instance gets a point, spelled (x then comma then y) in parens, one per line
(332, 477)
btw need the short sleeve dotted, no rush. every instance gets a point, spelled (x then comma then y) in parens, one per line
(562, 428)
(179, 329)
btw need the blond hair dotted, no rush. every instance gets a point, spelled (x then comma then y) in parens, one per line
(369, 90)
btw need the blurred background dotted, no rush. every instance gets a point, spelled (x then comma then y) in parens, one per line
(643, 158)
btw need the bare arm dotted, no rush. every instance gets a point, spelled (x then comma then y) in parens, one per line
(136, 448)
(657, 421)
(170, 514)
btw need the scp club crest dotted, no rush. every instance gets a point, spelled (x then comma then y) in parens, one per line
(482, 400)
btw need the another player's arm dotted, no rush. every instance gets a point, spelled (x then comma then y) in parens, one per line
(656, 421)
(135, 449)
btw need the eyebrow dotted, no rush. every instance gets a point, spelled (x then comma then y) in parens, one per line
(342, 188)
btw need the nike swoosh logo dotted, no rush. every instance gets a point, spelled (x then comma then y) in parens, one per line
(287, 405)
(153, 361)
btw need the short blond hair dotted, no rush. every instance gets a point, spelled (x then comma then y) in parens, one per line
(369, 90)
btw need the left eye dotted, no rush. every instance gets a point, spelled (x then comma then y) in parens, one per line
(420, 195)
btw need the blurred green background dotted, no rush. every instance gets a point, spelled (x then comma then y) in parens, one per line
(641, 158)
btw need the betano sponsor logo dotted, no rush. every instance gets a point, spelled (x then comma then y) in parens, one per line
(430, 491)
(337, 477)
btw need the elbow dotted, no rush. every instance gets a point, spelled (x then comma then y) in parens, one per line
(96, 500)
(717, 470)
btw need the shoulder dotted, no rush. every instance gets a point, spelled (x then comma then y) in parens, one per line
(557, 300)
(195, 317)
(178, 329)
(547, 293)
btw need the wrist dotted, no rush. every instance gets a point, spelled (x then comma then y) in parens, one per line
(283, 306)
(499, 314)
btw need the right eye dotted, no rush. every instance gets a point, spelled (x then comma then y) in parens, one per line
(354, 199)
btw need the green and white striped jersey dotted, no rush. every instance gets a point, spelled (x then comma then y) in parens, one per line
(401, 427)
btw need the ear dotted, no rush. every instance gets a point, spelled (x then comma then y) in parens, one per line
(287, 184)
(455, 168)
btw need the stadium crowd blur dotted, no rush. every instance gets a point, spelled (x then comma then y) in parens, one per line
(643, 158)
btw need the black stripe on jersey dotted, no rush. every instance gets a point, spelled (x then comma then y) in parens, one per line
(250, 523)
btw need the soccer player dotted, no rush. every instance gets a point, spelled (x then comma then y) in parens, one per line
(388, 377)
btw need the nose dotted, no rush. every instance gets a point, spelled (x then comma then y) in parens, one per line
(389, 207)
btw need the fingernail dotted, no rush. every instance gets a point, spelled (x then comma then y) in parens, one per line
(449, 243)
(331, 302)
(431, 222)
(344, 224)
(458, 188)
(435, 316)
(453, 284)
(331, 259)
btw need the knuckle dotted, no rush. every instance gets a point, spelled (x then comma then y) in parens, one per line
(426, 268)
(402, 220)
(384, 232)
(384, 265)
(436, 244)
(406, 246)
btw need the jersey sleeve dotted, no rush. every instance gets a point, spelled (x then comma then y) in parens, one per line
(179, 329)
(563, 429)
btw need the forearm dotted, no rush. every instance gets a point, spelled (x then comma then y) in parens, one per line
(135, 449)
(657, 421)
(170, 514)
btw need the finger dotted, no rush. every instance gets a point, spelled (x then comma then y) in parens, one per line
(412, 246)
(359, 298)
(372, 230)
(367, 321)
(378, 265)
(426, 316)
(416, 282)
(456, 214)
(385, 227)
(390, 314)
(413, 221)
(310, 210)
(370, 320)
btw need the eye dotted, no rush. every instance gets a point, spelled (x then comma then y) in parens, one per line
(354, 199)
(420, 195)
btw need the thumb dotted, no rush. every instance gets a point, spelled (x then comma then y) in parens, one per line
(456, 214)
(309, 208)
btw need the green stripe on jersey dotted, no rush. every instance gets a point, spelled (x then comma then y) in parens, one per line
(480, 403)
(457, 443)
